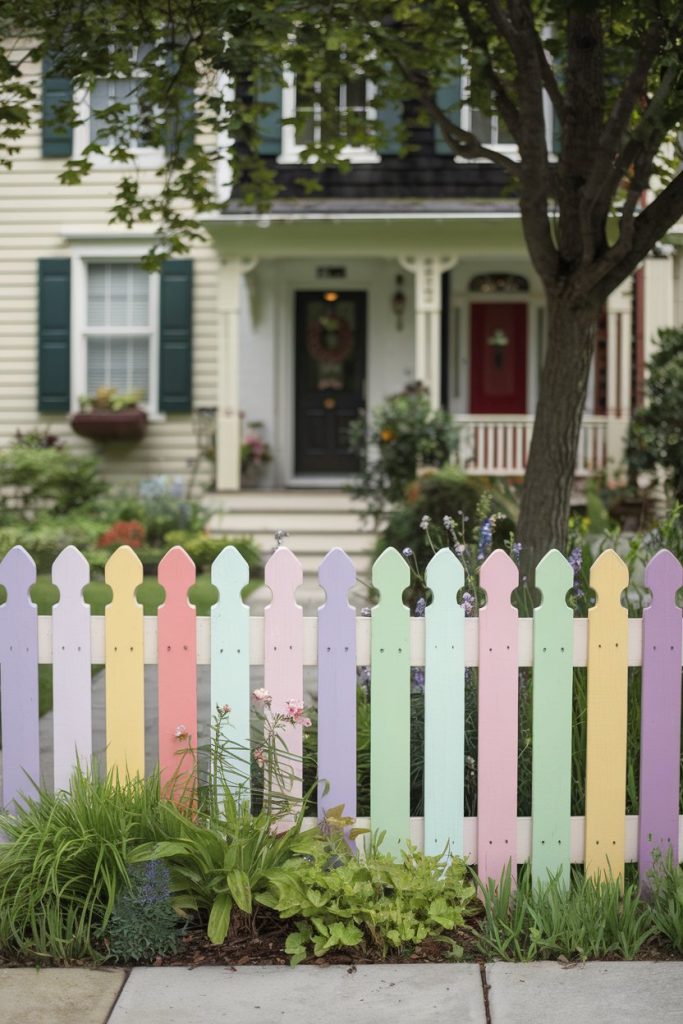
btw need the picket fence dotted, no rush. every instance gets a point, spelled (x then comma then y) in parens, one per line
(498, 643)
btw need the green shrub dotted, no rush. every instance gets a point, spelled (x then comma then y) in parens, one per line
(339, 901)
(65, 862)
(404, 434)
(46, 535)
(143, 923)
(34, 479)
(204, 549)
(666, 894)
(159, 511)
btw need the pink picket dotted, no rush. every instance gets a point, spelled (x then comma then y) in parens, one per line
(660, 733)
(283, 662)
(19, 677)
(497, 745)
(177, 678)
(71, 667)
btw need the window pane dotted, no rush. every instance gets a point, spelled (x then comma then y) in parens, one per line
(118, 362)
(504, 137)
(481, 125)
(105, 92)
(118, 295)
(355, 92)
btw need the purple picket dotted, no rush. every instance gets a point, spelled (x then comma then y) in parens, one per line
(283, 665)
(71, 667)
(337, 686)
(660, 736)
(497, 750)
(19, 677)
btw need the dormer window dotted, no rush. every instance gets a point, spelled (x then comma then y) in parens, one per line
(318, 118)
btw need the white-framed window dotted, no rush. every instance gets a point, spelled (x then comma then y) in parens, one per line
(356, 94)
(115, 328)
(490, 129)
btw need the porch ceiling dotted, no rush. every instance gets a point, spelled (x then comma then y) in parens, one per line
(370, 227)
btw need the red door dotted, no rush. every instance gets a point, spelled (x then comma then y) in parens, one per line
(498, 357)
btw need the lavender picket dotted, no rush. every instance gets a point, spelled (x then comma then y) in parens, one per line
(390, 709)
(444, 722)
(336, 686)
(660, 733)
(71, 667)
(553, 657)
(19, 677)
(283, 658)
(230, 652)
(497, 748)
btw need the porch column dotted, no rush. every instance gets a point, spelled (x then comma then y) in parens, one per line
(228, 427)
(427, 271)
(619, 337)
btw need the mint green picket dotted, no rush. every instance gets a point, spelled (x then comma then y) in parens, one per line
(230, 662)
(390, 707)
(444, 724)
(552, 720)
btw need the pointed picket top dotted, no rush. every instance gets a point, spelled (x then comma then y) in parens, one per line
(230, 573)
(391, 576)
(70, 573)
(499, 576)
(283, 574)
(609, 577)
(17, 572)
(444, 573)
(553, 574)
(123, 573)
(336, 575)
(176, 574)
(663, 578)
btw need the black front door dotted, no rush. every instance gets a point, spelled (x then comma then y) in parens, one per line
(330, 373)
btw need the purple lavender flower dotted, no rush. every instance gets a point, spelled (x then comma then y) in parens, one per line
(417, 678)
(515, 551)
(468, 602)
(576, 561)
(420, 606)
(485, 538)
(407, 552)
(424, 522)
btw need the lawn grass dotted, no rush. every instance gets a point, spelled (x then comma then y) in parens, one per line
(97, 594)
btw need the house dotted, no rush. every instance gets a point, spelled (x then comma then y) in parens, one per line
(405, 268)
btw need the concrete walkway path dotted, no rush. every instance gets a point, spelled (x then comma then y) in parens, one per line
(549, 993)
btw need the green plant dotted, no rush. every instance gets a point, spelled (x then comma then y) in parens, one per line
(656, 429)
(46, 479)
(585, 919)
(143, 923)
(109, 400)
(160, 505)
(65, 862)
(203, 549)
(666, 900)
(45, 536)
(403, 434)
(338, 900)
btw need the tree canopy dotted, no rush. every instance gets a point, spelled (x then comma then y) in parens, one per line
(606, 74)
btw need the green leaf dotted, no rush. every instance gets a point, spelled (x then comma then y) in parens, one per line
(238, 884)
(219, 919)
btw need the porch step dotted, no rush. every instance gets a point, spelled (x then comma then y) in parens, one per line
(315, 521)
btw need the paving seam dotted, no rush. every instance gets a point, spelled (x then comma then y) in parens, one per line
(118, 995)
(485, 992)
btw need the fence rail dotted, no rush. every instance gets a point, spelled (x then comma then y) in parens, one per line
(498, 643)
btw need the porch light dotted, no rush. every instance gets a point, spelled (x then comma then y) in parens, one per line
(398, 302)
(330, 296)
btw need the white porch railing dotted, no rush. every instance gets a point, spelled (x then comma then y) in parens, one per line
(498, 445)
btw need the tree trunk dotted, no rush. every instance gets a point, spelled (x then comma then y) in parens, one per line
(544, 513)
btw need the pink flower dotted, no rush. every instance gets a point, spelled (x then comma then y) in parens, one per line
(306, 723)
(181, 732)
(263, 696)
(226, 709)
(294, 708)
(259, 757)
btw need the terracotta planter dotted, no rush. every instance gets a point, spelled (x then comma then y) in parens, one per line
(105, 425)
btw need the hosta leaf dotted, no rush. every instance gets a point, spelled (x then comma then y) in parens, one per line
(219, 918)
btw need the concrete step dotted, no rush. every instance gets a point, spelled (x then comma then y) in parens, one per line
(303, 521)
(312, 543)
(285, 500)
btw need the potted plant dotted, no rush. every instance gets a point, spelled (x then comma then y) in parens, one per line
(110, 416)
(254, 455)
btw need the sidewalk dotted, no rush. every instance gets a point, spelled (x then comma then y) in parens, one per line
(548, 993)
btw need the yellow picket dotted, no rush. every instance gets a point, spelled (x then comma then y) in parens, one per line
(124, 666)
(606, 725)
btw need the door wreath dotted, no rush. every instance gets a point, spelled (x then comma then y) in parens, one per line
(329, 343)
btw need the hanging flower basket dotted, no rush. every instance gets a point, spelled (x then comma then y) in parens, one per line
(106, 425)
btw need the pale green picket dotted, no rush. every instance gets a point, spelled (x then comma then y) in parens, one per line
(230, 659)
(390, 724)
(444, 723)
(552, 719)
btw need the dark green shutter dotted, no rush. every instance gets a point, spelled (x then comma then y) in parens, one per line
(389, 117)
(56, 92)
(54, 324)
(269, 124)
(175, 337)
(448, 100)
